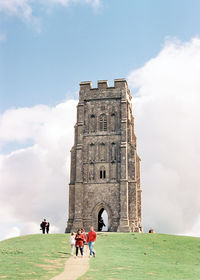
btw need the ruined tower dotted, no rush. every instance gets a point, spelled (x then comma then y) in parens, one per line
(105, 166)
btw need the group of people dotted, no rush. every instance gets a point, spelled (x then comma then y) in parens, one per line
(44, 226)
(136, 226)
(80, 239)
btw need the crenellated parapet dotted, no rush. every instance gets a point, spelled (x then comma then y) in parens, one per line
(103, 84)
(120, 89)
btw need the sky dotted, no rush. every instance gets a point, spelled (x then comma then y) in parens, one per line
(46, 49)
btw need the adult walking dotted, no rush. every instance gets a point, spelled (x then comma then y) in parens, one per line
(79, 242)
(91, 238)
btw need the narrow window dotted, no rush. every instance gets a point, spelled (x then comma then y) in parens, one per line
(91, 152)
(92, 123)
(113, 152)
(113, 122)
(113, 171)
(102, 173)
(102, 152)
(103, 123)
(91, 171)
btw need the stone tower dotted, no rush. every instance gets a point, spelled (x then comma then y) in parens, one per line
(105, 166)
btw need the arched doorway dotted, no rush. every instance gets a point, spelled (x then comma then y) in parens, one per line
(103, 220)
(102, 210)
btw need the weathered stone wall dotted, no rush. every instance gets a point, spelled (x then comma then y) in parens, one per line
(104, 161)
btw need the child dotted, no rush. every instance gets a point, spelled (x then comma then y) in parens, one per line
(72, 243)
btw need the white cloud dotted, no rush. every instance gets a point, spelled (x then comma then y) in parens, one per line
(13, 232)
(20, 8)
(167, 113)
(34, 180)
(94, 3)
(24, 9)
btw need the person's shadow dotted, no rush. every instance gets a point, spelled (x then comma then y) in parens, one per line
(63, 253)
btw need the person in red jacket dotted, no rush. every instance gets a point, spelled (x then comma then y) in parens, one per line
(91, 238)
(79, 242)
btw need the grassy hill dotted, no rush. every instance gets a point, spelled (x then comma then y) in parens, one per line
(35, 257)
(119, 256)
(145, 256)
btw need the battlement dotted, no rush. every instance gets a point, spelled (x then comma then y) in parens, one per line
(86, 85)
(103, 84)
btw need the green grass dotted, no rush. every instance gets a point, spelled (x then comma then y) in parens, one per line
(119, 256)
(33, 256)
(145, 256)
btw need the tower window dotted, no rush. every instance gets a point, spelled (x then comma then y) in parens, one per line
(103, 123)
(92, 152)
(102, 152)
(113, 152)
(92, 123)
(102, 173)
(91, 171)
(113, 122)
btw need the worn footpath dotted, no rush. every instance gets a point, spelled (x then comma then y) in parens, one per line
(74, 267)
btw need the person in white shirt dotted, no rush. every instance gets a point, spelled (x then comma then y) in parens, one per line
(72, 243)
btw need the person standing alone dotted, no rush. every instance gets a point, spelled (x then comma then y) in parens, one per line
(91, 238)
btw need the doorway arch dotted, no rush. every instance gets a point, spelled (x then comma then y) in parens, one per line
(97, 213)
(102, 220)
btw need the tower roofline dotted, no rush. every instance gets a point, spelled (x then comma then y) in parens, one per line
(103, 84)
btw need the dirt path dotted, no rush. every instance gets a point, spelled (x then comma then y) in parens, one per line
(74, 267)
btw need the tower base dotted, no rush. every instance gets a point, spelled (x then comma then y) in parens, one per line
(123, 226)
